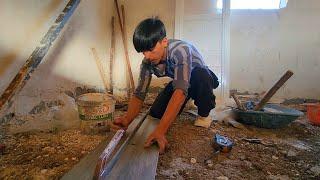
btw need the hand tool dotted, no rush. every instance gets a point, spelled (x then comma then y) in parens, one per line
(220, 144)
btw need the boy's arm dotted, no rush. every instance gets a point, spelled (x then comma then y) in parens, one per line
(136, 101)
(173, 108)
(134, 108)
(182, 72)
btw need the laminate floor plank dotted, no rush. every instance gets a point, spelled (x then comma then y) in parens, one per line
(135, 162)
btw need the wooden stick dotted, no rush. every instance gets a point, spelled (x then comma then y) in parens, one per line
(273, 90)
(125, 45)
(118, 13)
(125, 37)
(37, 55)
(112, 50)
(100, 67)
(236, 99)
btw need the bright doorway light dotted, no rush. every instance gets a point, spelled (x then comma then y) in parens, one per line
(254, 4)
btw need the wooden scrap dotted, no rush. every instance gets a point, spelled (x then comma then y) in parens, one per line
(236, 99)
(38, 54)
(100, 68)
(273, 90)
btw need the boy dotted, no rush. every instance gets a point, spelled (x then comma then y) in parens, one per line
(191, 79)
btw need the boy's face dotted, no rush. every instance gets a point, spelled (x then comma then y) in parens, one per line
(158, 53)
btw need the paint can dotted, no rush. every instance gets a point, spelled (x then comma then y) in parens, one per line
(95, 110)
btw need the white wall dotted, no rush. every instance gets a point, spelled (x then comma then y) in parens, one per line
(69, 62)
(264, 44)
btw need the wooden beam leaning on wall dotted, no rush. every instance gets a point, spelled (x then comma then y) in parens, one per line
(112, 50)
(38, 54)
(100, 68)
(124, 34)
(125, 44)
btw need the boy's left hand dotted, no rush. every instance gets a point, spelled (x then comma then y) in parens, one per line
(159, 137)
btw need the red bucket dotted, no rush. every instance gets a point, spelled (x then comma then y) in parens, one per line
(313, 113)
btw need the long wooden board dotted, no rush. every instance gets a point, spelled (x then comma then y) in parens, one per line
(38, 54)
(284, 78)
(134, 160)
(125, 43)
(138, 162)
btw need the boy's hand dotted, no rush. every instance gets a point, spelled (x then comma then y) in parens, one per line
(159, 137)
(120, 123)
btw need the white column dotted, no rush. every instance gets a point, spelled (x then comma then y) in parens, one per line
(178, 21)
(225, 49)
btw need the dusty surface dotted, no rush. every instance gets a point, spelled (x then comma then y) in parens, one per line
(292, 152)
(44, 155)
(287, 153)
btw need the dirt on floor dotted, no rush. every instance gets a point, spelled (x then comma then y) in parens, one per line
(292, 152)
(44, 155)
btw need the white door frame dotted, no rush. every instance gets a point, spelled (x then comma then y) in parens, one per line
(225, 50)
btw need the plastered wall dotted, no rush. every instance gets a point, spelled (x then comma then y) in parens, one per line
(264, 44)
(70, 62)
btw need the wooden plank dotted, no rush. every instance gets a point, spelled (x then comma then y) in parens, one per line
(125, 44)
(273, 90)
(84, 170)
(38, 54)
(106, 162)
(86, 167)
(137, 162)
(100, 68)
(112, 50)
(236, 99)
(124, 34)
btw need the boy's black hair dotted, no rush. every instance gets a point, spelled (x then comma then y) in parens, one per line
(148, 33)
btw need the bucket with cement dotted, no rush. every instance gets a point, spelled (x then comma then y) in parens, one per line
(95, 111)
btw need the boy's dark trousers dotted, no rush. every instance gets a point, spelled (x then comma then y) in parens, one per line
(202, 82)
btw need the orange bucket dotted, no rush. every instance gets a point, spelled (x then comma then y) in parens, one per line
(313, 113)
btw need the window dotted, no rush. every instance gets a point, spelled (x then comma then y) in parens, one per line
(255, 4)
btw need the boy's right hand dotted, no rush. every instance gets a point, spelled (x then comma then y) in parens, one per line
(120, 123)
